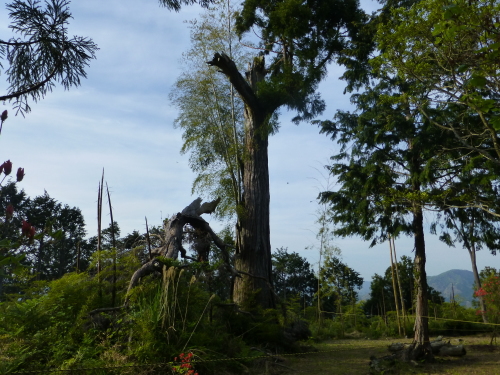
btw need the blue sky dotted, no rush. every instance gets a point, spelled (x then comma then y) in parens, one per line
(120, 119)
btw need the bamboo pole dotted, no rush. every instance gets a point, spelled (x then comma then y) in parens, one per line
(403, 307)
(394, 288)
(147, 239)
(113, 239)
(99, 220)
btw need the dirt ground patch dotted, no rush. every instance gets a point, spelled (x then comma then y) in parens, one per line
(351, 357)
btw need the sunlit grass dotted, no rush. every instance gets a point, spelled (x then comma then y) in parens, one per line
(352, 357)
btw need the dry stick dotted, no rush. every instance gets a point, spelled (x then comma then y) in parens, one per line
(196, 326)
(99, 217)
(394, 289)
(385, 309)
(78, 257)
(113, 290)
(319, 276)
(403, 307)
(147, 238)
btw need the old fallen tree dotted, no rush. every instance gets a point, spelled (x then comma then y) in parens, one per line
(172, 246)
(402, 352)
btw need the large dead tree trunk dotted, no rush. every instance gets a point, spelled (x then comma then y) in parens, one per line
(174, 231)
(253, 255)
(172, 244)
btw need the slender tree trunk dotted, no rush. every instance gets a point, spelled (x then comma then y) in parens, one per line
(39, 260)
(113, 239)
(400, 288)
(319, 279)
(477, 280)
(422, 346)
(471, 248)
(384, 310)
(394, 288)
(78, 257)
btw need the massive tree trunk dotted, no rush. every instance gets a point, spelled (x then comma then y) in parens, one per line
(253, 255)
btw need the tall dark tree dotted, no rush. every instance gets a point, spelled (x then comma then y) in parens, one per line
(293, 277)
(300, 39)
(10, 195)
(394, 162)
(12, 206)
(391, 159)
(339, 284)
(451, 49)
(60, 231)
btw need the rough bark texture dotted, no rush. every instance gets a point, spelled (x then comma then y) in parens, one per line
(422, 348)
(253, 255)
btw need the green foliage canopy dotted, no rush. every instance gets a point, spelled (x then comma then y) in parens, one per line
(302, 38)
(338, 283)
(451, 49)
(293, 276)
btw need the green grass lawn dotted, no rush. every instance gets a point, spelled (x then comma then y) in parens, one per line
(350, 357)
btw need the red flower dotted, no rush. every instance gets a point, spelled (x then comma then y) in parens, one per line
(26, 228)
(9, 211)
(480, 292)
(7, 167)
(4, 116)
(20, 174)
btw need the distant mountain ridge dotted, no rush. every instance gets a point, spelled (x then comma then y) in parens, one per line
(459, 283)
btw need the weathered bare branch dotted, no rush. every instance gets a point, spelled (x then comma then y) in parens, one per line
(174, 230)
(229, 69)
(146, 269)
